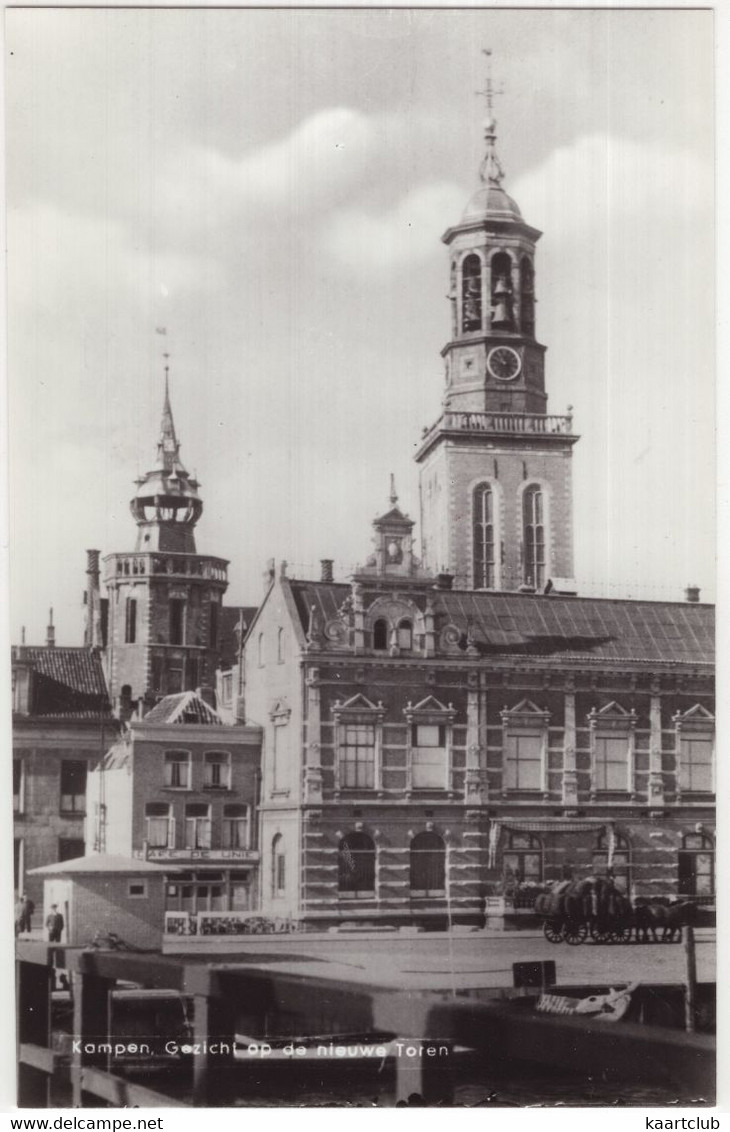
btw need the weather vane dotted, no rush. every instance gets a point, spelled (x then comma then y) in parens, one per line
(491, 171)
(489, 92)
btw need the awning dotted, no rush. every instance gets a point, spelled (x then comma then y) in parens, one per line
(549, 825)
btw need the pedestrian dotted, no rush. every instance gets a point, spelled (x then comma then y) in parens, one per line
(54, 923)
(19, 909)
(26, 916)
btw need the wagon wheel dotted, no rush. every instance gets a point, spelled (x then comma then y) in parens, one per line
(621, 933)
(553, 931)
(600, 933)
(576, 933)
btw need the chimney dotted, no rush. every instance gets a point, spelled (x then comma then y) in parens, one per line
(692, 594)
(50, 631)
(444, 580)
(92, 627)
(327, 566)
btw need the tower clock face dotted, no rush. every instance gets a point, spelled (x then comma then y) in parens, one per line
(503, 363)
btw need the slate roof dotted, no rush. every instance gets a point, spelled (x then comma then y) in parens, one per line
(98, 863)
(183, 708)
(67, 683)
(514, 625)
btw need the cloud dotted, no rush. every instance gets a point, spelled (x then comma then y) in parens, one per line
(372, 242)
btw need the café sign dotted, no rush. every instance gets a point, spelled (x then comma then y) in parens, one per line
(248, 855)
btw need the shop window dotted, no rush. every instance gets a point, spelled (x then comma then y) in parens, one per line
(696, 865)
(73, 786)
(522, 858)
(613, 858)
(356, 860)
(428, 865)
(177, 770)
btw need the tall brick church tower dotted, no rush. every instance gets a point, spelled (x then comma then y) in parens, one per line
(164, 611)
(495, 468)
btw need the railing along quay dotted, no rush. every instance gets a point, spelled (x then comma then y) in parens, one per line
(232, 996)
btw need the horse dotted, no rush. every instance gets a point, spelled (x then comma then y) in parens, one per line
(669, 918)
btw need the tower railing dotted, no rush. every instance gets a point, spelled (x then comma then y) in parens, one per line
(519, 423)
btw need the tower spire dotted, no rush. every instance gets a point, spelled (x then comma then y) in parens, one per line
(490, 170)
(168, 446)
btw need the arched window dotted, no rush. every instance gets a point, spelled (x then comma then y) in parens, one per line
(471, 294)
(428, 865)
(280, 646)
(696, 865)
(522, 857)
(533, 526)
(619, 866)
(501, 297)
(483, 537)
(405, 635)
(356, 860)
(527, 297)
(380, 635)
(260, 650)
(278, 866)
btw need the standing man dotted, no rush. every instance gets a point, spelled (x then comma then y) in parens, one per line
(54, 923)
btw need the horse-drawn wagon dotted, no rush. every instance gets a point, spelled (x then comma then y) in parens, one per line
(593, 907)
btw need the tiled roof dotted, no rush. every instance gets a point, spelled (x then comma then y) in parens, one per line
(530, 625)
(183, 708)
(228, 642)
(67, 682)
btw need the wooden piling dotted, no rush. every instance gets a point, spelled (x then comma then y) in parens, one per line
(690, 986)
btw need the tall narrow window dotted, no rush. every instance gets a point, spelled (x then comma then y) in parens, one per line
(695, 762)
(214, 624)
(177, 770)
(260, 650)
(527, 297)
(73, 786)
(405, 635)
(380, 635)
(428, 865)
(356, 858)
(197, 826)
(177, 621)
(502, 304)
(523, 761)
(471, 294)
(160, 825)
(611, 765)
(217, 770)
(192, 673)
(280, 647)
(696, 865)
(357, 756)
(483, 537)
(130, 621)
(235, 827)
(533, 525)
(429, 758)
(278, 866)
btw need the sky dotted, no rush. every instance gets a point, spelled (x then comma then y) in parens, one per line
(271, 187)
